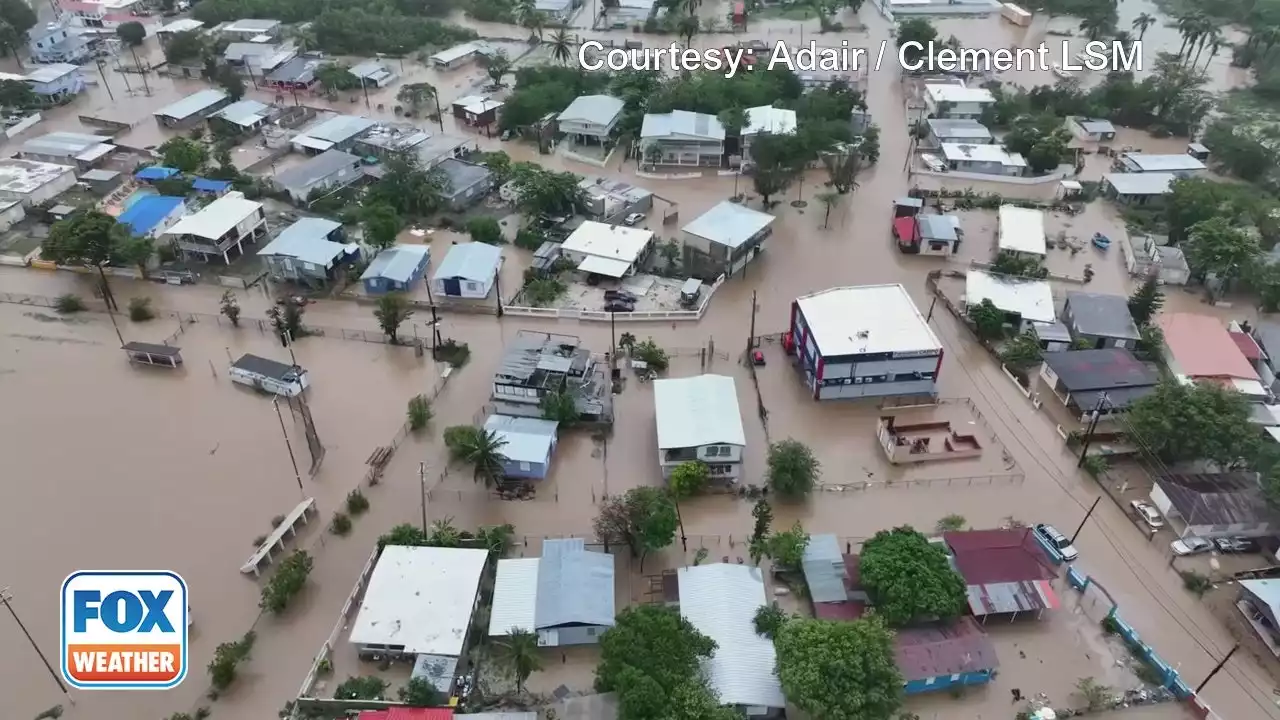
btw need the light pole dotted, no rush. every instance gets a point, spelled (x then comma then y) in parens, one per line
(288, 445)
(6, 597)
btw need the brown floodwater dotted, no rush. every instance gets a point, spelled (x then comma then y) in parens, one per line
(189, 469)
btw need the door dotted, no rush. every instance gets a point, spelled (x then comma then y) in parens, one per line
(452, 287)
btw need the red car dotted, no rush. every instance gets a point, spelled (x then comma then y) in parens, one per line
(757, 357)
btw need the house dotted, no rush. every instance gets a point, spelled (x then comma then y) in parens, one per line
(397, 269)
(928, 234)
(1138, 162)
(1054, 336)
(558, 10)
(1259, 602)
(101, 15)
(538, 363)
(296, 75)
(469, 270)
(725, 238)
(102, 182)
(66, 148)
(258, 59)
(391, 140)
(1021, 232)
(192, 109)
(1091, 129)
(1267, 336)
(249, 30)
(215, 188)
(1252, 351)
(863, 341)
(566, 596)
(155, 173)
(56, 82)
(459, 55)
(245, 116)
(630, 12)
(34, 183)
(527, 445)
(765, 120)
(1198, 348)
(54, 43)
(944, 656)
(1024, 301)
(1211, 505)
(609, 250)
(1101, 320)
(337, 132)
(720, 600)
(266, 375)
(166, 33)
(419, 602)
(1078, 378)
(682, 138)
(329, 171)
(956, 102)
(609, 200)
(984, 159)
(1150, 255)
(476, 110)
(1006, 572)
(591, 118)
(373, 73)
(310, 252)
(227, 222)
(1137, 188)
(468, 183)
(152, 215)
(698, 420)
(958, 132)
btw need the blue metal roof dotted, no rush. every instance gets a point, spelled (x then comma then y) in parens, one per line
(397, 263)
(156, 172)
(147, 212)
(206, 185)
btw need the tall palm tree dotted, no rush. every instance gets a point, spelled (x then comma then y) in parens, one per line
(304, 38)
(483, 451)
(1214, 48)
(1094, 26)
(519, 652)
(1210, 36)
(561, 46)
(444, 534)
(536, 23)
(687, 28)
(1141, 23)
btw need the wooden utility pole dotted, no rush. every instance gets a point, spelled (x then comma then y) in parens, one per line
(6, 598)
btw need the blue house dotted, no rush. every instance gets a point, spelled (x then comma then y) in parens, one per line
(155, 173)
(150, 216)
(396, 269)
(216, 188)
(941, 656)
(528, 444)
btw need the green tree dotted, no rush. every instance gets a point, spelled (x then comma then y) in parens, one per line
(19, 15)
(485, 229)
(227, 658)
(786, 548)
(561, 46)
(9, 39)
(415, 95)
(496, 67)
(840, 670)
(286, 320)
(627, 342)
(229, 306)
(289, 579)
(1022, 351)
(988, 320)
(381, 225)
(1216, 246)
(689, 478)
(183, 154)
(92, 239)
(916, 30)
(1141, 23)
(409, 189)
(648, 352)
(792, 469)
(185, 47)
(392, 310)
(768, 620)
(644, 519)
(1180, 422)
(480, 448)
(518, 651)
(687, 27)
(230, 82)
(419, 692)
(368, 687)
(16, 94)
(1146, 301)
(545, 192)
(137, 251)
(758, 545)
(131, 33)
(910, 579)
(560, 406)
(778, 160)
(419, 412)
(951, 523)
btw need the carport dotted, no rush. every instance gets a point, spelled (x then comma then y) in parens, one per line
(609, 267)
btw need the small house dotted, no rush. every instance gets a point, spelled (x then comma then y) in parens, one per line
(1021, 232)
(1103, 321)
(956, 102)
(1137, 188)
(1079, 377)
(943, 131)
(477, 111)
(373, 73)
(1214, 505)
(944, 656)
(699, 420)
(566, 596)
(192, 110)
(591, 118)
(327, 172)
(241, 117)
(725, 238)
(765, 120)
(984, 160)
(311, 251)
(269, 376)
(1091, 129)
(466, 183)
(297, 74)
(527, 445)
(152, 215)
(682, 138)
(459, 55)
(396, 269)
(56, 82)
(928, 234)
(1181, 165)
(1023, 301)
(102, 182)
(469, 270)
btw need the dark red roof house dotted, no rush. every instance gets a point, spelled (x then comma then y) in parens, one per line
(1006, 572)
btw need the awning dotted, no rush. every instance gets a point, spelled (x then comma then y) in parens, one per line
(609, 267)
(1011, 597)
(313, 143)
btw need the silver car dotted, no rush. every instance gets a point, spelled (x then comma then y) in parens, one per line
(1190, 545)
(1149, 514)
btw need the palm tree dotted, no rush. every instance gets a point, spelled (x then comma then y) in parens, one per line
(483, 451)
(627, 341)
(1094, 26)
(304, 38)
(1141, 23)
(444, 534)
(1214, 48)
(519, 652)
(535, 22)
(687, 28)
(1210, 36)
(561, 46)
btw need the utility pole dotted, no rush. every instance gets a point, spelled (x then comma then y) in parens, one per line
(1212, 672)
(288, 337)
(138, 64)
(365, 88)
(106, 85)
(1093, 425)
(6, 597)
(751, 339)
(422, 488)
(288, 445)
(497, 287)
(613, 336)
(1080, 527)
(439, 117)
(932, 305)
(435, 321)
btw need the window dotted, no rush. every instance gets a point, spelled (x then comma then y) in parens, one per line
(473, 287)
(525, 467)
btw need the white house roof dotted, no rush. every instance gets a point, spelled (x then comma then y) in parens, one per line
(730, 224)
(181, 25)
(472, 261)
(682, 125)
(460, 51)
(477, 104)
(244, 112)
(568, 585)
(217, 218)
(593, 109)
(192, 104)
(1091, 125)
(327, 133)
(1022, 230)
(525, 439)
(307, 240)
(769, 119)
(1147, 183)
(1144, 162)
(608, 267)
(964, 129)
(697, 411)
(721, 601)
(614, 242)
(866, 319)
(963, 152)
(1031, 299)
(515, 596)
(958, 94)
(52, 72)
(420, 598)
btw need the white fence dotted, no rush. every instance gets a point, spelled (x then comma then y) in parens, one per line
(26, 122)
(327, 649)
(600, 315)
(1053, 177)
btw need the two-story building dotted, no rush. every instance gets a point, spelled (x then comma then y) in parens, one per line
(192, 109)
(725, 238)
(250, 30)
(956, 101)
(55, 43)
(765, 120)
(698, 420)
(226, 223)
(682, 138)
(56, 82)
(536, 364)
(311, 251)
(590, 119)
(105, 14)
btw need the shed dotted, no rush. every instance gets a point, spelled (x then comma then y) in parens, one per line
(469, 270)
(154, 173)
(944, 655)
(1006, 571)
(101, 182)
(396, 269)
(150, 216)
(527, 445)
(211, 187)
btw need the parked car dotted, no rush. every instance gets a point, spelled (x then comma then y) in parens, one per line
(618, 306)
(757, 357)
(1058, 541)
(1148, 513)
(1190, 545)
(933, 162)
(633, 218)
(1236, 545)
(619, 295)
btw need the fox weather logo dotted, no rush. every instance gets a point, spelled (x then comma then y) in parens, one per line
(124, 630)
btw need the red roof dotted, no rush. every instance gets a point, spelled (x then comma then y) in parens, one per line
(1201, 347)
(998, 556)
(1248, 346)
(904, 228)
(847, 610)
(936, 650)
(408, 713)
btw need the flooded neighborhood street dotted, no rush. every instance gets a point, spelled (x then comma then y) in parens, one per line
(184, 470)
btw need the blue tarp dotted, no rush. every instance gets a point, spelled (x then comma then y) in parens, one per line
(213, 186)
(156, 172)
(145, 213)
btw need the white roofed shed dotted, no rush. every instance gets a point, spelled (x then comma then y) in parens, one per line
(1022, 231)
(610, 250)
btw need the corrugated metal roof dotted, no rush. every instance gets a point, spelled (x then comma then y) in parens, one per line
(1009, 597)
(308, 240)
(245, 112)
(515, 593)
(696, 411)
(317, 169)
(1218, 499)
(1200, 346)
(823, 567)
(472, 261)
(940, 649)
(217, 218)
(682, 123)
(1102, 315)
(593, 109)
(998, 556)
(721, 601)
(729, 224)
(192, 104)
(397, 264)
(145, 213)
(574, 586)
(528, 440)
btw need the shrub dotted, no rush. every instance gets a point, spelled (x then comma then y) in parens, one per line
(1095, 465)
(140, 309)
(1195, 582)
(768, 619)
(286, 583)
(529, 239)
(361, 688)
(357, 503)
(340, 525)
(419, 412)
(222, 669)
(68, 304)
(453, 352)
